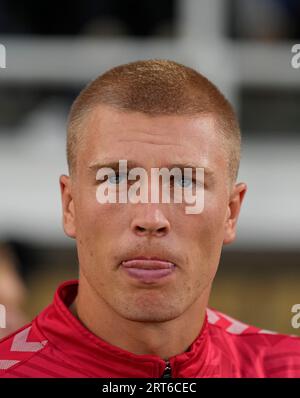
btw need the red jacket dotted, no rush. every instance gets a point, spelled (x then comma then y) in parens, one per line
(56, 344)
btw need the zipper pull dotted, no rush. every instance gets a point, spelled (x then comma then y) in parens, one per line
(167, 371)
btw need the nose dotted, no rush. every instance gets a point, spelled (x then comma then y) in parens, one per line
(149, 221)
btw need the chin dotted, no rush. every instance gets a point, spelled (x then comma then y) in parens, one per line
(148, 312)
(151, 317)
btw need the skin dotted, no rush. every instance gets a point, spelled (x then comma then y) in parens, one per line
(148, 318)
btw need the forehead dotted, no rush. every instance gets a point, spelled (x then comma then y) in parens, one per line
(150, 140)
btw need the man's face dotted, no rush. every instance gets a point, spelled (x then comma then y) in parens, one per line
(110, 233)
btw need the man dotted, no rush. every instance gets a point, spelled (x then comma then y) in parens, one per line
(146, 269)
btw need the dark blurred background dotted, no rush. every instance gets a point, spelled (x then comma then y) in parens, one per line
(54, 48)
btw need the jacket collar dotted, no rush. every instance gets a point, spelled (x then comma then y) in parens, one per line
(97, 358)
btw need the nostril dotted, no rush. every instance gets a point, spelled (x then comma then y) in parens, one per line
(140, 229)
(152, 227)
(159, 231)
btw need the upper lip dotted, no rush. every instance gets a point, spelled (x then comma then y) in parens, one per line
(152, 262)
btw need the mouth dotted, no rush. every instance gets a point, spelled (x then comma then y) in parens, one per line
(148, 269)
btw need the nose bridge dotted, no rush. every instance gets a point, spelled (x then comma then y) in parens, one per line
(150, 219)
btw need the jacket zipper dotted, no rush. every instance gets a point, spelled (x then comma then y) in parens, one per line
(167, 371)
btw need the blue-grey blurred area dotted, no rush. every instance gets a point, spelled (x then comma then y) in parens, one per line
(54, 48)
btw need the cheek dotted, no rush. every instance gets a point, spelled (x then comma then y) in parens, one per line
(91, 218)
(96, 232)
(214, 213)
(99, 224)
(207, 226)
(203, 234)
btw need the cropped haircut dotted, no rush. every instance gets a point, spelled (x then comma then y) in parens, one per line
(156, 88)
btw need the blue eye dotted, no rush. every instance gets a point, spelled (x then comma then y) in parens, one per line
(116, 179)
(184, 182)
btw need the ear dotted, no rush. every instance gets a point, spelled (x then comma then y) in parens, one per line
(67, 206)
(233, 210)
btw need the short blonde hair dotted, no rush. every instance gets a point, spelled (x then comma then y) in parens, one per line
(156, 87)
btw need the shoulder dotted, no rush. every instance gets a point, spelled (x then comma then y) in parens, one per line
(271, 353)
(20, 347)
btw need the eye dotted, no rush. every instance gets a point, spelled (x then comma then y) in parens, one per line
(183, 181)
(116, 179)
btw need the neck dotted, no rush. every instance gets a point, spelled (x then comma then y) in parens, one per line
(164, 339)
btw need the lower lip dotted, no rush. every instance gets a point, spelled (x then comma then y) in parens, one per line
(150, 275)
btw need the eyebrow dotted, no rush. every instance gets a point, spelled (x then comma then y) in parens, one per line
(114, 165)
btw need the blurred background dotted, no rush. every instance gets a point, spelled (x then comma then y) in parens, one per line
(54, 48)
